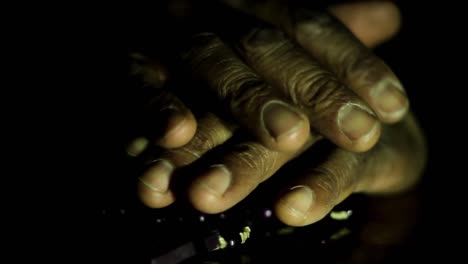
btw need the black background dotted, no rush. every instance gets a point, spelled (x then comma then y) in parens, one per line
(427, 55)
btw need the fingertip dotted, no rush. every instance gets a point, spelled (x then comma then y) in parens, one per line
(206, 193)
(390, 100)
(295, 140)
(387, 15)
(371, 22)
(180, 129)
(154, 199)
(153, 186)
(136, 146)
(288, 129)
(360, 129)
(368, 141)
(301, 206)
(205, 202)
(292, 208)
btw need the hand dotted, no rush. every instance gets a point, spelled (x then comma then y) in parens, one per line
(372, 22)
(268, 157)
(393, 165)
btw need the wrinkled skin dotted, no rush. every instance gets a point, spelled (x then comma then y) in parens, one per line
(306, 80)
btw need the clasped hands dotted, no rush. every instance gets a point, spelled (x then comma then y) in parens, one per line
(287, 77)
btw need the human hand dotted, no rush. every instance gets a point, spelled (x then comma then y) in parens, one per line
(265, 158)
(371, 22)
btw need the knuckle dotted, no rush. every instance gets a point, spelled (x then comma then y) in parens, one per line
(204, 140)
(330, 185)
(210, 134)
(318, 91)
(265, 40)
(200, 144)
(231, 80)
(260, 162)
(309, 24)
(335, 179)
(364, 67)
(245, 93)
(203, 47)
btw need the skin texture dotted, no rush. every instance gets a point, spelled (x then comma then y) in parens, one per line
(279, 91)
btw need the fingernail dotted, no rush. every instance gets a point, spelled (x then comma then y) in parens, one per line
(279, 120)
(391, 102)
(137, 146)
(216, 180)
(355, 122)
(299, 199)
(157, 177)
(172, 119)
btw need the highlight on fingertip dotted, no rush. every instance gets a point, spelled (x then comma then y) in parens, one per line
(153, 185)
(180, 127)
(136, 146)
(293, 206)
(288, 128)
(390, 99)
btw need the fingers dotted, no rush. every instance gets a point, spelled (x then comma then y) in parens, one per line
(136, 146)
(280, 123)
(169, 123)
(312, 197)
(154, 186)
(327, 40)
(393, 165)
(233, 176)
(224, 178)
(332, 109)
(371, 22)
(275, 122)
(405, 144)
(336, 48)
(335, 111)
(217, 181)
